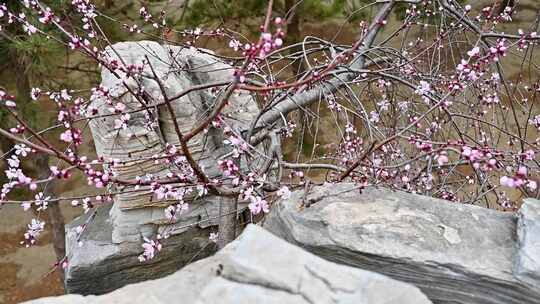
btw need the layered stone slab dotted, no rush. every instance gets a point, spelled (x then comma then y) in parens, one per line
(260, 268)
(97, 265)
(527, 267)
(151, 131)
(454, 253)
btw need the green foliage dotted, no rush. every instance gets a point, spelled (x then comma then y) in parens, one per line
(36, 49)
(203, 12)
(40, 51)
(320, 10)
(208, 11)
(24, 57)
(250, 12)
(112, 30)
(17, 5)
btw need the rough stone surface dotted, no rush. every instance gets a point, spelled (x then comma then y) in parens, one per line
(527, 268)
(453, 253)
(108, 258)
(137, 213)
(100, 266)
(261, 268)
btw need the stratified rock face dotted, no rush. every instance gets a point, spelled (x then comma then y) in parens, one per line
(453, 253)
(108, 258)
(527, 266)
(261, 268)
(136, 211)
(99, 266)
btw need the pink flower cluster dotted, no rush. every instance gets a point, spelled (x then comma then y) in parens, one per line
(484, 160)
(519, 180)
(267, 43)
(9, 100)
(151, 248)
(35, 228)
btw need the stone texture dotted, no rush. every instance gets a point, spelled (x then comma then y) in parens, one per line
(137, 213)
(100, 266)
(108, 258)
(527, 268)
(454, 253)
(260, 268)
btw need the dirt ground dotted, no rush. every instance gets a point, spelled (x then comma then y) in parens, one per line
(26, 273)
(24, 270)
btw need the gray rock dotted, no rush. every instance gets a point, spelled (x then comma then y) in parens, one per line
(527, 268)
(139, 213)
(260, 268)
(100, 266)
(108, 258)
(454, 253)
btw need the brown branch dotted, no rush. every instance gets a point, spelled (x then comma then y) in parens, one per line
(183, 143)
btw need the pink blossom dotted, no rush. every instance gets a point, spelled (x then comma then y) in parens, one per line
(35, 228)
(172, 211)
(54, 170)
(75, 43)
(474, 52)
(122, 122)
(424, 88)
(228, 167)
(529, 155)
(29, 28)
(522, 171)
(214, 236)
(374, 117)
(442, 159)
(266, 36)
(507, 181)
(66, 136)
(532, 185)
(151, 248)
(235, 44)
(26, 205)
(258, 204)
(47, 16)
(118, 108)
(22, 150)
(500, 48)
(35, 93)
(13, 161)
(284, 192)
(41, 201)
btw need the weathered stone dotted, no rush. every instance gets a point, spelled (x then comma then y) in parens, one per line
(99, 265)
(260, 268)
(108, 258)
(454, 253)
(527, 268)
(139, 213)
